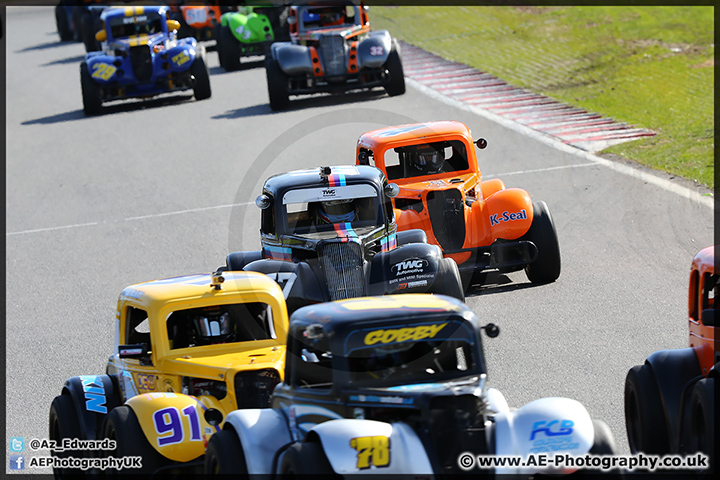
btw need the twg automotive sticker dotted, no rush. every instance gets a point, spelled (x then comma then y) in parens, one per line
(409, 265)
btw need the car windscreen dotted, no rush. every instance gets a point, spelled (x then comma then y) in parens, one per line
(426, 159)
(146, 24)
(409, 354)
(326, 209)
(217, 324)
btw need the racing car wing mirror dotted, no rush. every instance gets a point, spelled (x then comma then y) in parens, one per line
(173, 25)
(481, 143)
(391, 190)
(262, 201)
(491, 330)
(137, 350)
(101, 36)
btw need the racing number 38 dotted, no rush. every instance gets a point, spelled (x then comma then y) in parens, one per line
(373, 450)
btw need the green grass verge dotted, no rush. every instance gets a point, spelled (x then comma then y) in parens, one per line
(652, 67)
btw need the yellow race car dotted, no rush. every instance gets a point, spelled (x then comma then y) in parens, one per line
(189, 350)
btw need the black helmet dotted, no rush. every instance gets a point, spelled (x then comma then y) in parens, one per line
(213, 326)
(426, 159)
(337, 211)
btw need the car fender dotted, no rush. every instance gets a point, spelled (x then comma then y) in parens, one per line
(489, 187)
(293, 59)
(300, 284)
(409, 220)
(508, 213)
(412, 262)
(546, 426)
(374, 50)
(93, 396)
(181, 56)
(673, 369)
(249, 28)
(415, 235)
(173, 423)
(355, 446)
(98, 65)
(262, 432)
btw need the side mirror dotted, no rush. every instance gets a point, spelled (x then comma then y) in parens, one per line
(138, 350)
(391, 190)
(262, 201)
(491, 330)
(173, 25)
(481, 143)
(101, 36)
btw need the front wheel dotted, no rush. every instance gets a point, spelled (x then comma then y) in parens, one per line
(64, 424)
(448, 282)
(644, 413)
(393, 64)
(201, 74)
(277, 83)
(224, 455)
(546, 267)
(122, 425)
(63, 24)
(91, 93)
(305, 458)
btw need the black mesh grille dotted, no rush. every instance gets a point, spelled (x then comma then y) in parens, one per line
(456, 426)
(253, 389)
(141, 61)
(332, 49)
(343, 266)
(447, 216)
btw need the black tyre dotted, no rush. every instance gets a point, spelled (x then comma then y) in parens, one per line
(228, 50)
(546, 267)
(700, 431)
(307, 458)
(393, 65)
(603, 445)
(63, 24)
(277, 83)
(201, 74)
(88, 31)
(91, 92)
(77, 23)
(224, 455)
(644, 414)
(448, 280)
(122, 426)
(64, 424)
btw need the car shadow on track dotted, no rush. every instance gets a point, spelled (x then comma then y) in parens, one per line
(495, 282)
(323, 100)
(64, 61)
(243, 66)
(125, 106)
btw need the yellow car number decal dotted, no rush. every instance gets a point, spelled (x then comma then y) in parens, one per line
(103, 71)
(145, 382)
(373, 450)
(180, 58)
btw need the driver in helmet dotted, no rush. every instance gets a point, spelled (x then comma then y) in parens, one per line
(425, 159)
(336, 211)
(213, 326)
(329, 18)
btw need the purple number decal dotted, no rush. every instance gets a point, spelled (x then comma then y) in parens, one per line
(168, 420)
(192, 415)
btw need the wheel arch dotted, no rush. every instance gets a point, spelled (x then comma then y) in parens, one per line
(93, 396)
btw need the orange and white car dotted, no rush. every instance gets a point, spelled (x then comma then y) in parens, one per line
(482, 225)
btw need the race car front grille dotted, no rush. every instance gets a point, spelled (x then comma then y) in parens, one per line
(253, 389)
(343, 266)
(141, 61)
(447, 216)
(332, 49)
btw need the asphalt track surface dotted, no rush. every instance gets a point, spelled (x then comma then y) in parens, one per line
(167, 187)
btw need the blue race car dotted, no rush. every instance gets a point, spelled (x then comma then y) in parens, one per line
(141, 57)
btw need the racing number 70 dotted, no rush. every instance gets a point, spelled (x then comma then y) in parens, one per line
(373, 450)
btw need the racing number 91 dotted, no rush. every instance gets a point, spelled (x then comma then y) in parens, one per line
(167, 421)
(373, 450)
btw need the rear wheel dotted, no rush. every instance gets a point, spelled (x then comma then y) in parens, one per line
(122, 426)
(644, 414)
(277, 83)
(546, 267)
(304, 459)
(64, 424)
(87, 29)
(199, 70)
(700, 432)
(448, 280)
(224, 455)
(63, 24)
(396, 85)
(228, 50)
(91, 92)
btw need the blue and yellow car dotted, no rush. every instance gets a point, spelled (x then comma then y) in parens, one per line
(141, 57)
(189, 350)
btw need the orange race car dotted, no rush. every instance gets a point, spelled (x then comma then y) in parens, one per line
(482, 225)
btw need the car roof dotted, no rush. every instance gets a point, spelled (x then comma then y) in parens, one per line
(704, 260)
(199, 288)
(342, 316)
(131, 11)
(339, 175)
(412, 132)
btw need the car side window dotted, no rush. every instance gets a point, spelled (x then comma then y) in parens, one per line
(313, 364)
(137, 326)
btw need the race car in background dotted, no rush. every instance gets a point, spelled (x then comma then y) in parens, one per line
(188, 351)
(141, 57)
(332, 49)
(394, 385)
(482, 225)
(669, 400)
(329, 233)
